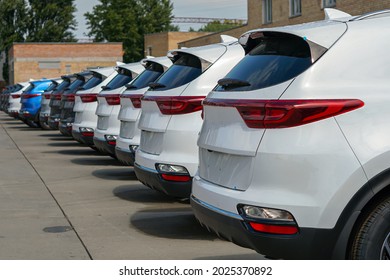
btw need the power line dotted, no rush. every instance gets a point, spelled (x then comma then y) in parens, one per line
(207, 20)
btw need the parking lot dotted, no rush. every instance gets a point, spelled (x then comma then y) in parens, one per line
(61, 200)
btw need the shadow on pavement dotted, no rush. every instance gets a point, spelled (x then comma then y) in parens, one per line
(82, 152)
(253, 256)
(23, 127)
(64, 144)
(173, 223)
(122, 174)
(104, 161)
(141, 194)
(56, 135)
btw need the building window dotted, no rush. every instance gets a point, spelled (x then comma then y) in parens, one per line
(149, 51)
(49, 65)
(328, 3)
(267, 11)
(295, 8)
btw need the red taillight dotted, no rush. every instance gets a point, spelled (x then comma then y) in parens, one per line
(176, 105)
(68, 97)
(28, 95)
(46, 95)
(56, 96)
(15, 96)
(88, 97)
(176, 178)
(274, 229)
(135, 99)
(87, 133)
(286, 113)
(111, 142)
(112, 99)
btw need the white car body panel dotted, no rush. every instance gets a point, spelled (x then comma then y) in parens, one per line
(172, 138)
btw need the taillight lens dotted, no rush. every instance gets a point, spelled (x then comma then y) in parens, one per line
(46, 95)
(135, 99)
(176, 105)
(112, 99)
(27, 95)
(88, 97)
(56, 96)
(68, 97)
(286, 113)
(15, 96)
(274, 229)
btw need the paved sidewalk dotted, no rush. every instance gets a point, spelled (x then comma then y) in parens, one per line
(61, 200)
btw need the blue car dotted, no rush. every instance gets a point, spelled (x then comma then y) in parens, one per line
(31, 102)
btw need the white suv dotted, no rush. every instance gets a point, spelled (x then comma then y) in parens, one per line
(167, 157)
(14, 104)
(295, 145)
(108, 125)
(130, 112)
(85, 105)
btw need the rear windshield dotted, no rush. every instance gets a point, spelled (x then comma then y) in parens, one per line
(75, 86)
(52, 86)
(151, 73)
(92, 82)
(187, 68)
(61, 87)
(273, 61)
(123, 77)
(29, 88)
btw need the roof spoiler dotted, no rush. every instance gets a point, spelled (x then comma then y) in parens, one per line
(331, 14)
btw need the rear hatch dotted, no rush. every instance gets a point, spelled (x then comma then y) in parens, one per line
(68, 97)
(56, 95)
(131, 98)
(238, 111)
(109, 97)
(165, 96)
(86, 97)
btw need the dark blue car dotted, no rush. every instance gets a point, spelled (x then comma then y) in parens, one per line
(31, 102)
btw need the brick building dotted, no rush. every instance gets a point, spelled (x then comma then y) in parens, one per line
(49, 60)
(270, 13)
(158, 44)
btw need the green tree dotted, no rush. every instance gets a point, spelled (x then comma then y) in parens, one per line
(51, 21)
(35, 21)
(13, 26)
(217, 26)
(128, 21)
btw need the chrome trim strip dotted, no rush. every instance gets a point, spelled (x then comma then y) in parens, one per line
(145, 168)
(215, 209)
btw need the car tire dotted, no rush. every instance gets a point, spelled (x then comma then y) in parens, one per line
(32, 124)
(44, 125)
(372, 239)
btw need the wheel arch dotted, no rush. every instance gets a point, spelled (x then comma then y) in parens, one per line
(355, 211)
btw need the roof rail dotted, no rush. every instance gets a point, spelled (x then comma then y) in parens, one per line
(381, 13)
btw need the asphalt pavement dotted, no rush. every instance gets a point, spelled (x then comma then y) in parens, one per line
(60, 200)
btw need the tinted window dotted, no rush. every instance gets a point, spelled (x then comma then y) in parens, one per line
(92, 82)
(273, 61)
(29, 88)
(61, 87)
(123, 77)
(184, 70)
(52, 86)
(151, 73)
(75, 85)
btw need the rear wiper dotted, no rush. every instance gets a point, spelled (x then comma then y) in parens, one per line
(232, 83)
(129, 86)
(156, 85)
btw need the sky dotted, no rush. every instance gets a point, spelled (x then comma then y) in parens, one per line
(235, 9)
